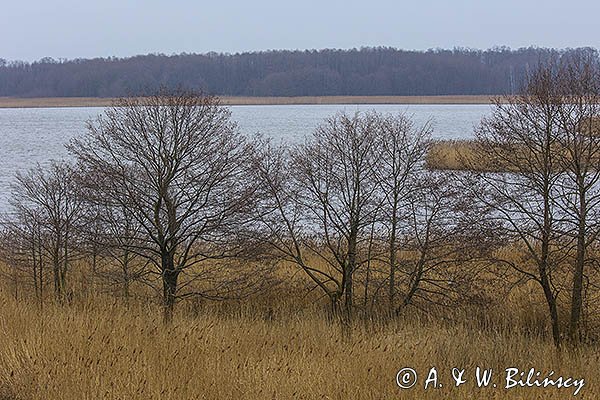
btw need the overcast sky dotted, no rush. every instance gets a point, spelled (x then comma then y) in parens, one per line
(32, 29)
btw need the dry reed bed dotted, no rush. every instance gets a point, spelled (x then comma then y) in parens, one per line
(461, 154)
(103, 350)
(450, 154)
(43, 102)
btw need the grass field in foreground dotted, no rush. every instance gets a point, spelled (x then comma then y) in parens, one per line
(104, 350)
(14, 102)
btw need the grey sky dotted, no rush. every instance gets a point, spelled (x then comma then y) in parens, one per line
(32, 29)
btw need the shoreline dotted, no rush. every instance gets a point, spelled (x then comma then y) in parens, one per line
(59, 102)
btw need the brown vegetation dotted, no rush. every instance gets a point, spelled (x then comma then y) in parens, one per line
(48, 102)
(450, 154)
(269, 347)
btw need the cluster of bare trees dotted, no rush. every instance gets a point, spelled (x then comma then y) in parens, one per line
(356, 198)
(165, 191)
(41, 237)
(161, 185)
(538, 157)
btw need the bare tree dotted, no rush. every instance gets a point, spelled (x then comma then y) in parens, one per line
(335, 168)
(47, 211)
(22, 247)
(321, 202)
(519, 173)
(402, 147)
(110, 233)
(542, 156)
(579, 154)
(177, 165)
(441, 239)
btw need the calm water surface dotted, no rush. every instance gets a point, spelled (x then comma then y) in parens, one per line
(29, 135)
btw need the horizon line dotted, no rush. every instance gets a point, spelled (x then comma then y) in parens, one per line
(495, 48)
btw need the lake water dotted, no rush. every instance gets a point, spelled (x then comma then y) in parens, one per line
(37, 135)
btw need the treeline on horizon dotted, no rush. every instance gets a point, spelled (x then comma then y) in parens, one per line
(330, 72)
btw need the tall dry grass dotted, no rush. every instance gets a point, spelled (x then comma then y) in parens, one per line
(37, 102)
(451, 155)
(98, 348)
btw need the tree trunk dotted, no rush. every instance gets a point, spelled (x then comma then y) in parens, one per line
(546, 286)
(170, 276)
(349, 272)
(126, 276)
(56, 273)
(35, 268)
(366, 287)
(544, 263)
(392, 260)
(41, 273)
(577, 290)
(368, 275)
(392, 250)
(348, 294)
(551, 301)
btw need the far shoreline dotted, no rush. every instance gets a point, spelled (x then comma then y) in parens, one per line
(59, 102)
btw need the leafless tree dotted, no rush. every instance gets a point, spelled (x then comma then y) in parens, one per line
(542, 156)
(20, 245)
(442, 239)
(175, 163)
(47, 212)
(322, 202)
(22, 250)
(355, 198)
(579, 156)
(518, 175)
(110, 234)
(402, 147)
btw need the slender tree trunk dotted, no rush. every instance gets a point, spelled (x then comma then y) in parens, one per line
(126, 276)
(414, 285)
(35, 268)
(56, 273)
(544, 276)
(170, 276)
(368, 275)
(551, 301)
(392, 256)
(349, 272)
(348, 303)
(366, 287)
(577, 290)
(64, 268)
(544, 263)
(41, 271)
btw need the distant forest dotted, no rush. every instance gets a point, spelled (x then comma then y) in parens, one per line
(360, 72)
